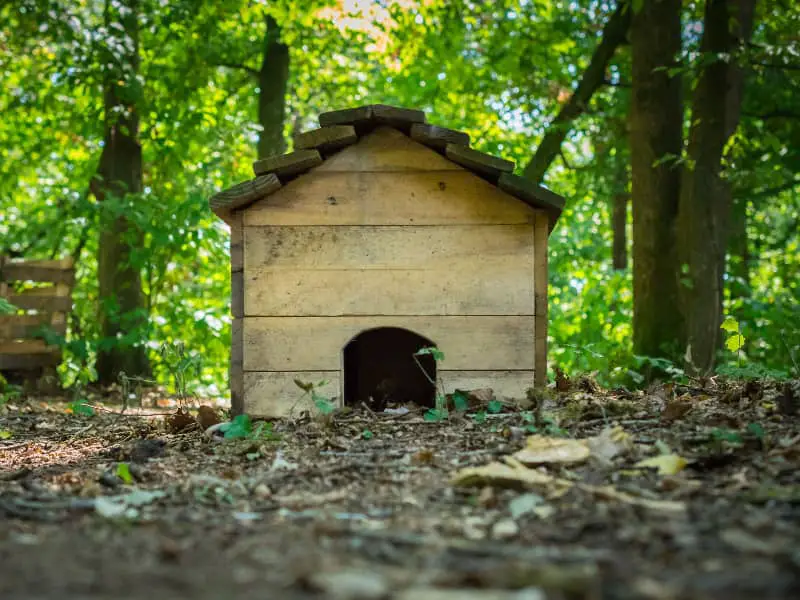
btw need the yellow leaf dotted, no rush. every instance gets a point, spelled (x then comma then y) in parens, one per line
(667, 464)
(542, 450)
(5, 434)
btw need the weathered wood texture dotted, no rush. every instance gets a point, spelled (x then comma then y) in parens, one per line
(366, 118)
(316, 343)
(242, 195)
(326, 139)
(387, 149)
(274, 394)
(20, 345)
(486, 165)
(438, 137)
(416, 198)
(541, 227)
(288, 165)
(415, 270)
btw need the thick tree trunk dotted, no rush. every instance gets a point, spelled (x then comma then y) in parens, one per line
(614, 35)
(704, 199)
(656, 119)
(272, 82)
(119, 174)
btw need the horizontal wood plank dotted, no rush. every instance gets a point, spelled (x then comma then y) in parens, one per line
(25, 347)
(386, 247)
(274, 394)
(433, 198)
(42, 271)
(386, 149)
(13, 327)
(506, 385)
(42, 299)
(316, 343)
(488, 287)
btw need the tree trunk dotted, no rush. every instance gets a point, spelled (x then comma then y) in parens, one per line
(614, 34)
(119, 174)
(272, 82)
(619, 223)
(656, 119)
(704, 201)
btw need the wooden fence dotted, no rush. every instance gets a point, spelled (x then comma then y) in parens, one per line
(41, 290)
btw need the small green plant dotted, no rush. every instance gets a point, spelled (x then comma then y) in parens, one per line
(735, 340)
(80, 406)
(324, 404)
(439, 412)
(182, 367)
(242, 427)
(367, 434)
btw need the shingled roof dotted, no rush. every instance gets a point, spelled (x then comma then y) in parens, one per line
(342, 128)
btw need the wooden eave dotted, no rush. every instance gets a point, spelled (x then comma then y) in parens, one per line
(341, 128)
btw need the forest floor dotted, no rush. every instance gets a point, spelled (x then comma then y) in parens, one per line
(547, 500)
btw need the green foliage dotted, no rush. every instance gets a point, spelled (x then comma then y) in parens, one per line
(324, 404)
(80, 407)
(6, 308)
(367, 434)
(542, 424)
(500, 71)
(242, 427)
(124, 472)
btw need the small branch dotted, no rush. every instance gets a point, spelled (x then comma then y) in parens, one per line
(776, 66)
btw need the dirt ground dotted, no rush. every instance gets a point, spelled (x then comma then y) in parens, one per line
(360, 505)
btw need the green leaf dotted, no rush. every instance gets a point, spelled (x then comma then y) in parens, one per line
(730, 325)
(241, 427)
(460, 401)
(5, 434)
(124, 473)
(479, 417)
(435, 414)
(735, 342)
(80, 407)
(367, 434)
(432, 351)
(757, 430)
(494, 406)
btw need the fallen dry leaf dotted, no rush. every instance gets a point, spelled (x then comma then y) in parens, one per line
(540, 450)
(667, 464)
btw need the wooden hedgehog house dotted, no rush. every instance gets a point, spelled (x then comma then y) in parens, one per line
(377, 236)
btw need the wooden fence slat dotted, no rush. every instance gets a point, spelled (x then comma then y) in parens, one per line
(14, 327)
(33, 360)
(43, 271)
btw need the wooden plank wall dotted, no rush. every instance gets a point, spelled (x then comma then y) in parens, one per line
(40, 306)
(387, 233)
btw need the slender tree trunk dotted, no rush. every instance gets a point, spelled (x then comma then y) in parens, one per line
(272, 82)
(119, 174)
(656, 118)
(614, 34)
(704, 199)
(619, 224)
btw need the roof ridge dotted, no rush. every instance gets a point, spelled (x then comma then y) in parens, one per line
(342, 128)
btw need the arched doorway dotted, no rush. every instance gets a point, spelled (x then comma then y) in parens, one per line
(380, 368)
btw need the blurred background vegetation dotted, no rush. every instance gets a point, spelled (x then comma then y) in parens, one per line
(120, 118)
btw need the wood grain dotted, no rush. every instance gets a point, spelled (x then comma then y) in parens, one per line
(274, 394)
(540, 233)
(316, 343)
(507, 385)
(433, 198)
(485, 287)
(13, 327)
(386, 149)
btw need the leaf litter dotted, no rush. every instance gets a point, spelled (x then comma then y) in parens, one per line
(575, 492)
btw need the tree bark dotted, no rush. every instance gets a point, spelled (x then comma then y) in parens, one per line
(273, 77)
(619, 223)
(656, 118)
(704, 200)
(614, 34)
(738, 251)
(119, 174)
